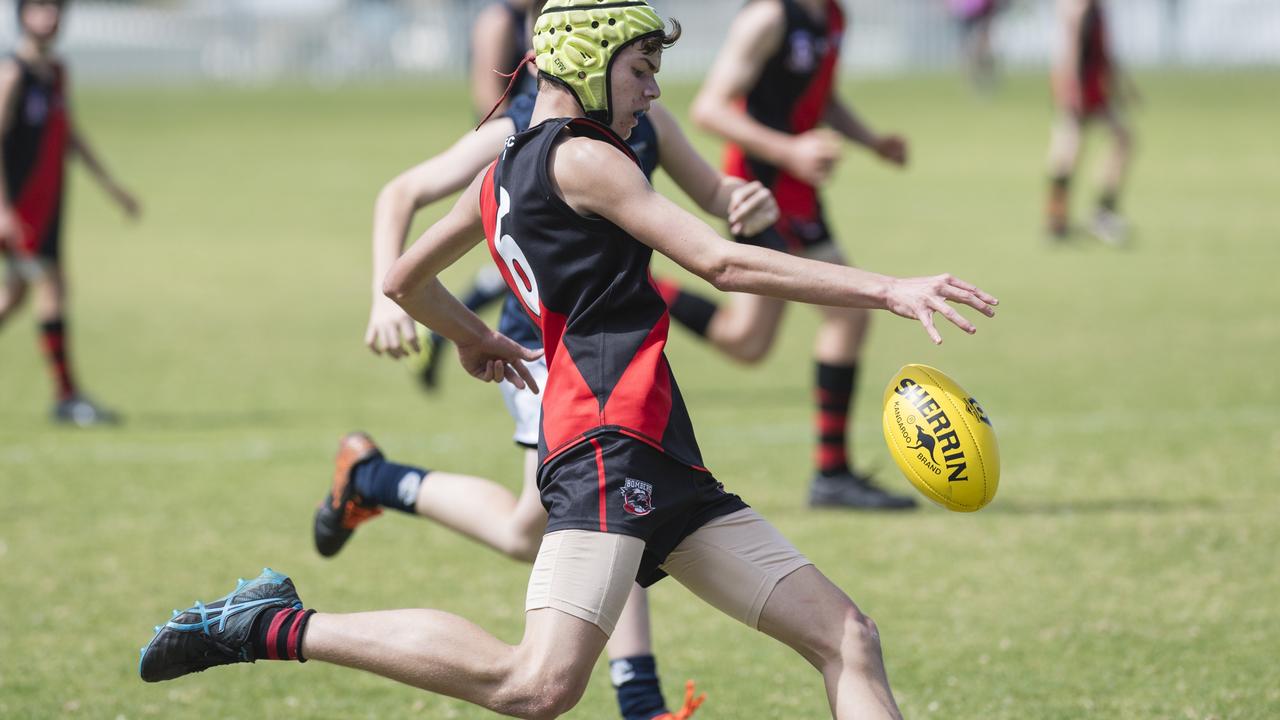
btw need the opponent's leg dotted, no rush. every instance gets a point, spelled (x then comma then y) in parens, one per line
(634, 670)
(744, 567)
(364, 482)
(486, 511)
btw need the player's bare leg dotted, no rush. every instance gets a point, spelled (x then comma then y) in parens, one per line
(542, 677)
(742, 566)
(817, 619)
(486, 511)
(745, 327)
(49, 295)
(1108, 225)
(1064, 153)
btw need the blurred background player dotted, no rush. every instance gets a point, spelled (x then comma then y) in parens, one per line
(976, 18)
(769, 89)
(38, 137)
(1086, 86)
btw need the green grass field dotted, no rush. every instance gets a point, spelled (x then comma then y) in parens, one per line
(1126, 570)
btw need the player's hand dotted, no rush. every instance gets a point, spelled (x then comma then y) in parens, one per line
(892, 149)
(496, 357)
(919, 298)
(752, 210)
(391, 330)
(691, 705)
(813, 155)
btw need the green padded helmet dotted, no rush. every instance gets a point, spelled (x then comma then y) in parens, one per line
(577, 40)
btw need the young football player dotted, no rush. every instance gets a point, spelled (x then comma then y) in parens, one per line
(770, 92)
(572, 222)
(39, 136)
(365, 481)
(976, 18)
(1086, 87)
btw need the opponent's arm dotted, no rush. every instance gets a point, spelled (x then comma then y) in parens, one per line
(413, 283)
(598, 180)
(749, 207)
(79, 146)
(754, 36)
(10, 74)
(843, 119)
(490, 42)
(390, 330)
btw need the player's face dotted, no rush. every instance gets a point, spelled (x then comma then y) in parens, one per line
(634, 85)
(40, 18)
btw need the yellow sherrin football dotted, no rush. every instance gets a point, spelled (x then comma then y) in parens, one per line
(941, 439)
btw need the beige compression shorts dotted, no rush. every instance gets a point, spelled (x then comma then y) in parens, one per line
(733, 562)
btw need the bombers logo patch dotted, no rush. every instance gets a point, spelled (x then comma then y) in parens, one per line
(637, 497)
(943, 437)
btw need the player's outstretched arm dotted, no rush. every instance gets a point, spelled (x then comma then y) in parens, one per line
(749, 207)
(390, 329)
(413, 283)
(845, 120)
(597, 179)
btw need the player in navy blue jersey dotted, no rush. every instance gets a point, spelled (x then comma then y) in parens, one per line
(572, 222)
(38, 137)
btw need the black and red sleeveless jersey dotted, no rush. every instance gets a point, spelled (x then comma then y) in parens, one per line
(35, 148)
(1095, 59)
(585, 283)
(791, 96)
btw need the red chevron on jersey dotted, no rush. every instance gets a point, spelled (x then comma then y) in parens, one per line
(35, 153)
(586, 284)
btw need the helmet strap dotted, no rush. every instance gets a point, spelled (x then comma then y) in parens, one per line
(514, 75)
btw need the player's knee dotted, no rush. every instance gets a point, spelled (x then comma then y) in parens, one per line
(544, 697)
(752, 348)
(523, 546)
(860, 638)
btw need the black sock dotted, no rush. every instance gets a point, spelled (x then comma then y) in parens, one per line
(1109, 201)
(636, 681)
(388, 484)
(277, 634)
(693, 311)
(834, 390)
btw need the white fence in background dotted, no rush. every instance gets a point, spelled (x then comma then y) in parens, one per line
(336, 41)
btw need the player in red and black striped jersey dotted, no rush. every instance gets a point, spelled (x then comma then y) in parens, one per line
(1087, 85)
(770, 93)
(38, 137)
